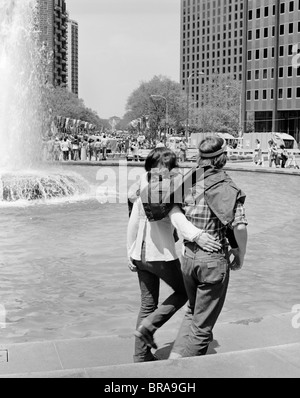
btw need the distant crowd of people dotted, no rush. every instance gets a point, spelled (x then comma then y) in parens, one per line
(68, 147)
(277, 155)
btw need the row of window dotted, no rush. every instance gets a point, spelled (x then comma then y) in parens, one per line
(270, 51)
(187, 6)
(284, 7)
(206, 22)
(213, 62)
(264, 32)
(269, 73)
(215, 71)
(263, 94)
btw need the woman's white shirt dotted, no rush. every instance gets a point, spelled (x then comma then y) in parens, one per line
(157, 235)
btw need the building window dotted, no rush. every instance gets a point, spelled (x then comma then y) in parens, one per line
(264, 94)
(257, 33)
(266, 14)
(250, 35)
(280, 93)
(289, 92)
(249, 95)
(290, 71)
(281, 30)
(249, 75)
(280, 72)
(249, 55)
(272, 94)
(282, 8)
(256, 95)
(291, 8)
(265, 73)
(266, 32)
(257, 74)
(291, 28)
(265, 53)
(257, 13)
(298, 92)
(281, 51)
(256, 54)
(273, 31)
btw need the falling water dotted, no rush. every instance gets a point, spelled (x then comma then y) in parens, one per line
(22, 114)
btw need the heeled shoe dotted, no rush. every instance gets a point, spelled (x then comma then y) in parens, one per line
(144, 334)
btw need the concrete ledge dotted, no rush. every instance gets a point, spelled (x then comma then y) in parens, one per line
(270, 362)
(111, 356)
(233, 165)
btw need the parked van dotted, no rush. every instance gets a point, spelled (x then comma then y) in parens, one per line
(248, 141)
(173, 142)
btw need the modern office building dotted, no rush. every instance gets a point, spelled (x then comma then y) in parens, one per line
(211, 41)
(73, 56)
(272, 75)
(53, 27)
(256, 42)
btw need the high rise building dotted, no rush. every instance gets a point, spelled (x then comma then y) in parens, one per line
(53, 34)
(73, 56)
(254, 41)
(272, 75)
(211, 41)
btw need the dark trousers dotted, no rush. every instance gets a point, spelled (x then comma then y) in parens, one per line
(151, 315)
(206, 278)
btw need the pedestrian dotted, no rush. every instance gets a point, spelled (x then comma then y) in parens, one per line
(206, 275)
(258, 154)
(272, 153)
(75, 148)
(97, 149)
(104, 143)
(182, 150)
(152, 254)
(84, 149)
(282, 156)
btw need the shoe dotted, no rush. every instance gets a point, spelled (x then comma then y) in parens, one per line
(144, 334)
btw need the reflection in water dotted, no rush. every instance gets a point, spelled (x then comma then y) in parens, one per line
(64, 274)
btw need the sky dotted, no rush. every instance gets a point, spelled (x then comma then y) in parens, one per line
(123, 43)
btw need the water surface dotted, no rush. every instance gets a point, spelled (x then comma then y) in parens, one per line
(64, 274)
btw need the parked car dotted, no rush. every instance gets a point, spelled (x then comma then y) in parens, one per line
(143, 153)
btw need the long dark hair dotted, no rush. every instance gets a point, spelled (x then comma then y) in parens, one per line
(161, 157)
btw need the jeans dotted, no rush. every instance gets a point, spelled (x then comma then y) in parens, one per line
(151, 315)
(206, 278)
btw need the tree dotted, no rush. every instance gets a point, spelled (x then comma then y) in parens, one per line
(142, 106)
(220, 110)
(64, 103)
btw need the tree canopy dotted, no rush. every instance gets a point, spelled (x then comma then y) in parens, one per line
(64, 103)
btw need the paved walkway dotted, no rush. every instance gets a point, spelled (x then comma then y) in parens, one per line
(260, 347)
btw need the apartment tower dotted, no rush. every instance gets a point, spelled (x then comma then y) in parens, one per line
(53, 27)
(73, 56)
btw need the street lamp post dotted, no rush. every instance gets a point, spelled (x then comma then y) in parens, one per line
(167, 112)
(240, 109)
(197, 73)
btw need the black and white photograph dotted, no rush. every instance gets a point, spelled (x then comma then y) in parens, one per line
(149, 191)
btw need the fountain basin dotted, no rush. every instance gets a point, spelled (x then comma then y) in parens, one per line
(39, 185)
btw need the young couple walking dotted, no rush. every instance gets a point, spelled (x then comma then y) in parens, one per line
(207, 209)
